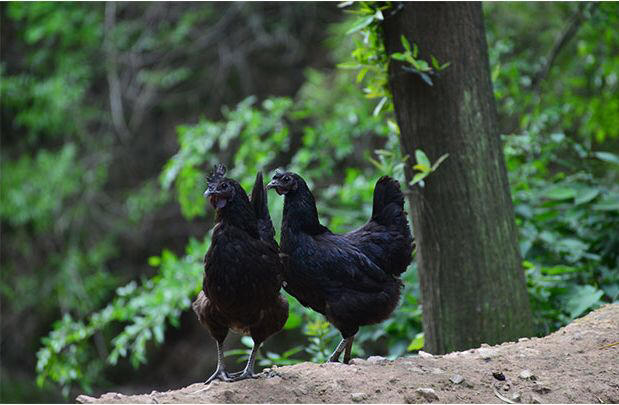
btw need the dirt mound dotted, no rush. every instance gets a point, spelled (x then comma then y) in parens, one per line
(578, 363)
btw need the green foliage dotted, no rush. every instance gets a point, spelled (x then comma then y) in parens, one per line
(418, 66)
(567, 219)
(144, 310)
(424, 167)
(371, 59)
(369, 55)
(44, 182)
(559, 152)
(260, 132)
(562, 177)
(251, 136)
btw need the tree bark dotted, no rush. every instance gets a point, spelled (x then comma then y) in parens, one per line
(472, 284)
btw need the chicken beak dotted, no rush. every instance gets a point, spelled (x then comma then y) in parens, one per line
(216, 200)
(272, 184)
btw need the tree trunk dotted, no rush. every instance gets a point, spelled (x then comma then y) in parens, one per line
(472, 284)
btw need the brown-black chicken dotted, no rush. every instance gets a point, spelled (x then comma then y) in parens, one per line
(242, 271)
(352, 279)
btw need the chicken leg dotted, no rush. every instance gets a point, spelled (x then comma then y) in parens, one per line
(348, 350)
(248, 372)
(340, 348)
(220, 373)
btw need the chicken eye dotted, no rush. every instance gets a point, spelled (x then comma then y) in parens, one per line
(286, 179)
(223, 186)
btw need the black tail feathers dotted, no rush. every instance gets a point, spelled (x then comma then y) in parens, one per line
(259, 202)
(259, 198)
(387, 191)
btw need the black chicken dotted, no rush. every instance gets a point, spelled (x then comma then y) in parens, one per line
(242, 271)
(352, 279)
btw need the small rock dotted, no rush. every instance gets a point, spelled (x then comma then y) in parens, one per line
(153, 392)
(526, 375)
(377, 360)
(228, 394)
(523, 339)
(357, 396)
(516, 397)
(427, 393)
(85, 399)
(486, 353)
(410, 399)
(535, 399)
(299, 392)
(485, 345)
(425, 355)
(541, 389)
(506, 387)
(393, 380)
(437, 370)
(456, 379)
(498, 375)
(416, 369)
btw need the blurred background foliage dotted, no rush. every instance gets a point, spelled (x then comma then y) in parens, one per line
(113, 113)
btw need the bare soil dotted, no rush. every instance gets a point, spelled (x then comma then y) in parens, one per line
(576, 364)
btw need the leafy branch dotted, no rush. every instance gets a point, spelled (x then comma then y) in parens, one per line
(145, 310)
(424, 167)
(418, 66)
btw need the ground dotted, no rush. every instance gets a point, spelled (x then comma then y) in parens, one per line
(576, 364)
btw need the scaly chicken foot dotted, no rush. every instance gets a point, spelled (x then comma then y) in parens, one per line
(248, 372)
(335, 357)
(348, 350)
(220, 373)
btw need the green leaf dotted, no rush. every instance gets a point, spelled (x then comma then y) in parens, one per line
(293, 322)
(362, 74)
(379, 106)
(398, 56)
(247, 341)
(608, 203)
(560, 269)
(405, 43)
(423, 66)
(586, 195)
(581, 298)
(422, 158)
(439, 161)
(444, 66)
(607, 157)
(349, 65)
(417, 178)
(426, 78)
(416, 343)
(560, 193)
(154, 261)
(422, 168)
(360, 24)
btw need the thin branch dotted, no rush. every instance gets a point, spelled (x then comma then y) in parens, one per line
(116, 103)
(568, 33)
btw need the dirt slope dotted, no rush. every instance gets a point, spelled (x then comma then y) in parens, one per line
(578, 363)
